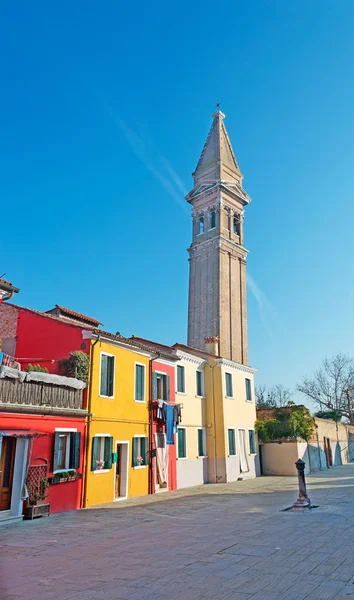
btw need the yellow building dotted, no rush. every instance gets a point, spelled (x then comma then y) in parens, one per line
(216, 441)
(118, 426)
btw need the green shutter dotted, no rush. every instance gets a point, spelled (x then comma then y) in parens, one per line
(55, 454)
(108, 449)
(95, 442)
(252, 441)
(154, 386)
(104, 367)
(75, 450)
(200, 442)
(232, 450)
(110, 376)
(181, 443)
(139, 382)
(167, 383)
(145, 453)
(180, 379)
(228, 378)
(248, 390)
(135, 463)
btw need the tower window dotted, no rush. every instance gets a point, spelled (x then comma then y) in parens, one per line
(212, 220)
(201, 225)
(236, 225)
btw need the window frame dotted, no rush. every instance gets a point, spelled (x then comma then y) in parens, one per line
(250, 389)
(203, 430)
(103, 436)
(67, 431)
(185, 457)
(212, 214)
(184, 379)
(139, 364)
(136, 437)
(254, 441)
(201, 371)
(227, 373)
(114, 375)
(228, 441)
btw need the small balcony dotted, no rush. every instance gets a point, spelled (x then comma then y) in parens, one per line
(40, 393)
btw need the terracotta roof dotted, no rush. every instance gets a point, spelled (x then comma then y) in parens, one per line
(167, 351)
(120, 338)
(68, 322)
(73, 313)
(202, 353)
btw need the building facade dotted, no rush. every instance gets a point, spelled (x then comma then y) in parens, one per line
(117, 461)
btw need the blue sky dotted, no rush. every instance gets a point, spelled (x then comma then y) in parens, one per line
(104, 111)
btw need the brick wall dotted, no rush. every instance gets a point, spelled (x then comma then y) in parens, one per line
(8, 328)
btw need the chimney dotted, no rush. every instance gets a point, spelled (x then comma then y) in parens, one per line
(212, 344)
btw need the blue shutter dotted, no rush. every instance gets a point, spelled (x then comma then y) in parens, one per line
(74, 450)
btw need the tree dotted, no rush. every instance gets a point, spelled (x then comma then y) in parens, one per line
(77, 365)
(277, 396)
(286, 424)
(332, 386)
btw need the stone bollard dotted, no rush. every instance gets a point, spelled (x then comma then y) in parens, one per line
(303, 502)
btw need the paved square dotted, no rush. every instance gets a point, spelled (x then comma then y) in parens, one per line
(216, 541)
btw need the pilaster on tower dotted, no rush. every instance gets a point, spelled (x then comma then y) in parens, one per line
(217, 279)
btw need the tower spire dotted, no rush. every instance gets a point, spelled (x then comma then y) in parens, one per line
(217, 160)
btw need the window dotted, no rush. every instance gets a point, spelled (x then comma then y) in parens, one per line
(200, 383)
(139, 383)
(248, 390)
(232, 442)
(102, 448)
(201, 225)
(140, 451)
(201, 442)
(107, 375)
(181, 385)
(212, 220)
(66, 450)
(252, 441)
(228, 380)
(236, 225)
(160, 387)
(182, 447)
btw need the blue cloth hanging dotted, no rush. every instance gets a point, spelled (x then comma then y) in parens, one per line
(169, 424)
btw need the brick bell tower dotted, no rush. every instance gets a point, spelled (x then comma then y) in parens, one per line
(217, 277)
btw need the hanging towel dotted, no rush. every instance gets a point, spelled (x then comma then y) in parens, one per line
(161, 457)
(169, 424)
(161, 411)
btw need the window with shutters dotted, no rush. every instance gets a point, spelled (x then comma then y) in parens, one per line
(201, 226)
(200, 383)
(160, 387)
(232, 442)
(201, 442)
(182, 442)
(140, 451)
(181, 379)
(102, 449)
(252, 441)
(66, 450)
(248, 390)
(139, 382)
(107, 375)
(229, 387)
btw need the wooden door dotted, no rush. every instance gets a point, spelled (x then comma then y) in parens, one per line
(118, 471)
(7, 460)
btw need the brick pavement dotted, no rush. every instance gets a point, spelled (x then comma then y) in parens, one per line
(213, 542)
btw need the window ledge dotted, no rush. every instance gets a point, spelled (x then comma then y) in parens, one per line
(203, 456)
(107, 397)
(101, 471)
(140, 467)
(230, 397)
(139, 401)
(182, 458)
(63, 470)
(249, 401)
(202, 397)
(253, 453)
(231, 455)
(181, 393)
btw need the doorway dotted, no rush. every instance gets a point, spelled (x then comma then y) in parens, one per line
(328, 451)
(121, 472)
(7, 460)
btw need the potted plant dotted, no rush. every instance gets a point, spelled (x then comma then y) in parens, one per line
(99, 465)
(72, 475)
(140, 461)
(63, 476)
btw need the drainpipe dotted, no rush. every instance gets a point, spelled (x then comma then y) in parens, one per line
(151, 415)
(89, 404)
(318, 446)
(214, 415)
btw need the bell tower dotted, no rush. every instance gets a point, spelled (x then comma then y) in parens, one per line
(217, 276)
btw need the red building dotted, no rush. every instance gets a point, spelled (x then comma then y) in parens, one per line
(163, 471)
(42, 416)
